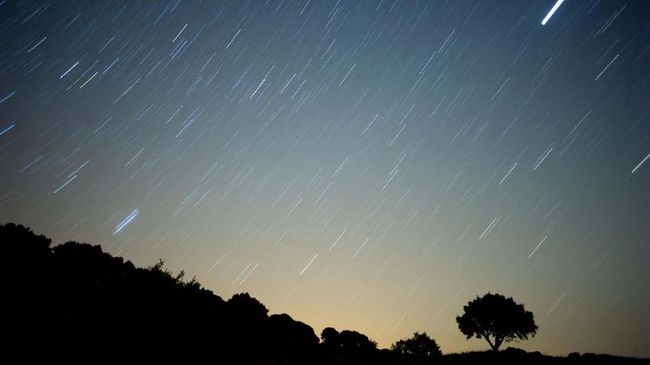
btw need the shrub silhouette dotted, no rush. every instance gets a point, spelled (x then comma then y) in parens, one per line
(330, 338)
(419, 349)
(497, 319)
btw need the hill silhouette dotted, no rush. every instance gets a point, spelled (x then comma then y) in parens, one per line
(74, 301)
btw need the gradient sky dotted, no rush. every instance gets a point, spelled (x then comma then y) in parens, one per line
(367, 165)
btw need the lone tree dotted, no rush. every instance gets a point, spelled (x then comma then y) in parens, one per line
(497, 319)
(420, 348)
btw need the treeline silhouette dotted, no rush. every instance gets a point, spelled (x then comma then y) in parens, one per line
(74, 301)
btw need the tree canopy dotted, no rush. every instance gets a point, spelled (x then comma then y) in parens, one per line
(497, 319)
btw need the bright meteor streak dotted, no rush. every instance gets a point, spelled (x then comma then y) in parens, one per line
(129, 218)
(552, 11)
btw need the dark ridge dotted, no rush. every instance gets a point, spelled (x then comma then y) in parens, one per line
(75, 302)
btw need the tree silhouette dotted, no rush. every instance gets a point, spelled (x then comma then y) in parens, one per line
(355, 343)
(73, 300)
(246, 306)
(497, 319)
(329, 335)
(348, 343)
(289, 340)
(418, 349)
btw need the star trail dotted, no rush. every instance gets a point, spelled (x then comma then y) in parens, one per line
(365, 165)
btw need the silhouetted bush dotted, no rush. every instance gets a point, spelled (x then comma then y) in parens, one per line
(419, 349)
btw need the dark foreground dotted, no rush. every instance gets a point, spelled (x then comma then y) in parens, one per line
(515, 356)
(77, 303)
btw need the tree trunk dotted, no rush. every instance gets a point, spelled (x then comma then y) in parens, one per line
(497, 343)
(495, 346)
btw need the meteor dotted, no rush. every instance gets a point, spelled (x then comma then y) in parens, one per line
(125, 222)
(552, 11)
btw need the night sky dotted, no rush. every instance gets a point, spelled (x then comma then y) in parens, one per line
(366, 165)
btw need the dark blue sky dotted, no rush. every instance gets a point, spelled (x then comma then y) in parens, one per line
(367, 165)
